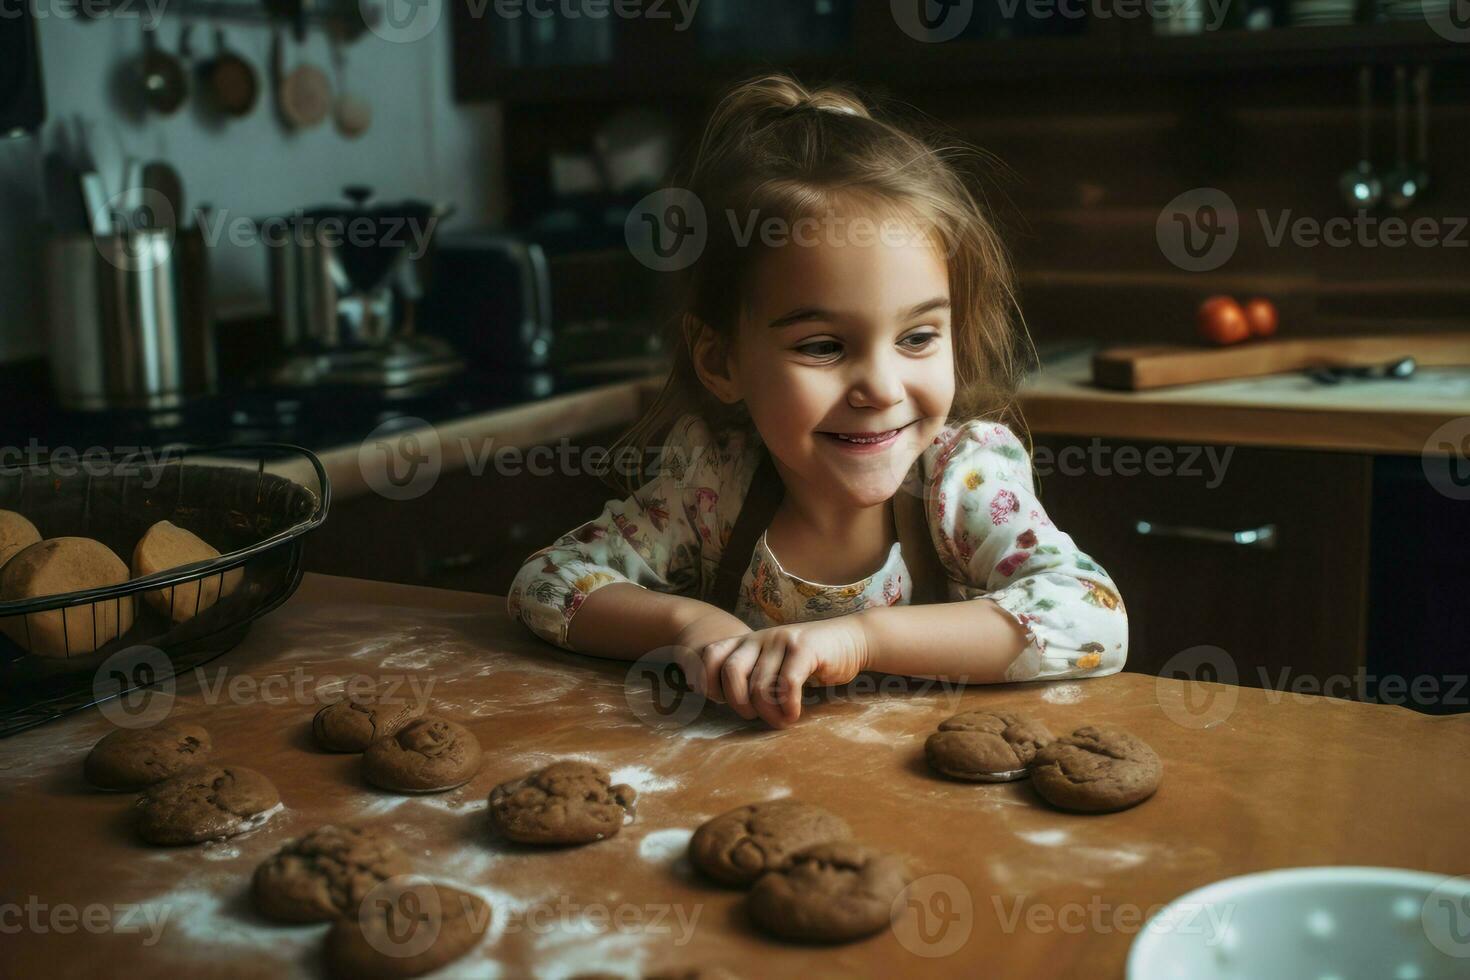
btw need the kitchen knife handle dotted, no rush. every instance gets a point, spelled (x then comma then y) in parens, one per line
(1263, 537)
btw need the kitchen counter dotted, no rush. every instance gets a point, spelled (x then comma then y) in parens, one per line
(1285, 411)
(465, 438)
(524, 409)
(1252, 780)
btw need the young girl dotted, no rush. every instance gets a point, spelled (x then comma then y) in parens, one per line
(843, 380)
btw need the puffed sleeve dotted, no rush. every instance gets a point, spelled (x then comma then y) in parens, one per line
(655, 538)
(996, 542)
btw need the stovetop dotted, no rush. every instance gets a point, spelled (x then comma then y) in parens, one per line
(318, 418)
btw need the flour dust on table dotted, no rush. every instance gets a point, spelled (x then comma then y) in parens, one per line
(578, 946)
(1056, 858)
(468, 865)
(515, 690)
(40, 753)
(213, 850)
(205, 913)
(458, 802)
(397, 638)
(643, 779)
(665, 847)
(1063, 693)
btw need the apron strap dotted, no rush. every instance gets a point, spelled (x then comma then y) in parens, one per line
(931, 581)
(756, 512)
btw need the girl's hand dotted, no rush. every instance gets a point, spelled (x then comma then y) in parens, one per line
(709, 625)
(763, 672)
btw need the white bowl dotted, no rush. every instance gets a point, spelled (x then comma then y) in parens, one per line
(1332, 923)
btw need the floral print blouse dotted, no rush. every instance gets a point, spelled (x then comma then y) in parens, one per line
(989, 530)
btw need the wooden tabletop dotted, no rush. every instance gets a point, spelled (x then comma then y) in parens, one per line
(1252, 780)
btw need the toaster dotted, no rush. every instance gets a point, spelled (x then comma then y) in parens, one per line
(548, 298)
(489, 296)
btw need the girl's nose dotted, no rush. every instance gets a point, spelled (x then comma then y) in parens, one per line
(876, 384)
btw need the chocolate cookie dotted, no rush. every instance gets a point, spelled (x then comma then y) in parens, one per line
(565, 803)
(406, 929)
(985, 746)
(202, 804)
(427, 755)
(1095, 770)
(325, 874)
(829, 893)
(738, 847)
(354, 723)
(132, 758)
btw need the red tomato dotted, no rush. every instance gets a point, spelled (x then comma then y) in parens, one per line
(1222, 321)
(1261, 315)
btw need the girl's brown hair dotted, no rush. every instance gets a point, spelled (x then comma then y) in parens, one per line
(773, 148)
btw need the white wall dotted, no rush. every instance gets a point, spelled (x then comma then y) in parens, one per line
(421, 145)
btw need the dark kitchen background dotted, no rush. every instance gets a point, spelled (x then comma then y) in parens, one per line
(524, 140)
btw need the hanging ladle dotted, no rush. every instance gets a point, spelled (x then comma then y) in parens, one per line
(1401, 184)
(1360, 186)
(1419, 172)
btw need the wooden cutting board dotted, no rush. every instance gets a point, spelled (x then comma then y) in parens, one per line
(1160, 365)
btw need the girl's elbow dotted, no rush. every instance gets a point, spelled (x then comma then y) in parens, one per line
(540, 618)
(1108, 653)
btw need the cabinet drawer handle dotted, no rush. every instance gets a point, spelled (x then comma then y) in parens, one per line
(1263, 537)
(451, 562)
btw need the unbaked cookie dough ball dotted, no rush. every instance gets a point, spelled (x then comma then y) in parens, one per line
(56, 566)
(16, 533)
(166, 546)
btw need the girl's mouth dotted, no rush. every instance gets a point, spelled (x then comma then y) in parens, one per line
(860, 442)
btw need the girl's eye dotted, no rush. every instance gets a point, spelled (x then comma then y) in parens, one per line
(922, 338)
(808, 348)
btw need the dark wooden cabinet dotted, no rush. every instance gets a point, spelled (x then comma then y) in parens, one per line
(1261, 553)
(655, 53)
(658, 55)
(469, 531)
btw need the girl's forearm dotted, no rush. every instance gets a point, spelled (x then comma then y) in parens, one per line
(973, 641)
(625, 621)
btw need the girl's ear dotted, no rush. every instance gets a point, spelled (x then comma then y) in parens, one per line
(713, 360)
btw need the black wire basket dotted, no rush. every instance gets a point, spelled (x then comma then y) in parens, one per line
(253, 503)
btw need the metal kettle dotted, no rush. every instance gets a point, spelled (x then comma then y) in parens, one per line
(346, 277)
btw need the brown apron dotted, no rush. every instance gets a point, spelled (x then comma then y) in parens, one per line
(759, 507)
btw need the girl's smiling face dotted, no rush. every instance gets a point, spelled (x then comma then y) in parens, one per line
(845, 336)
